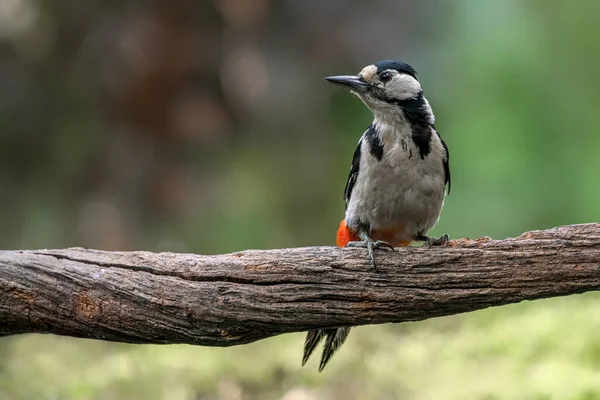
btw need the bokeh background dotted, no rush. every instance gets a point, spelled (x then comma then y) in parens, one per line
(206, 126)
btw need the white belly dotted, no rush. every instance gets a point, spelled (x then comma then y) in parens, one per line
(401, 192)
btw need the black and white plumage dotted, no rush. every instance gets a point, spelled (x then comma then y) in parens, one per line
(399, 173)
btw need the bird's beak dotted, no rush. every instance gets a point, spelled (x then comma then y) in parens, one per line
(353, 82)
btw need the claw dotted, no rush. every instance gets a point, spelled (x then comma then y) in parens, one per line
(380, 244)
(371, 245)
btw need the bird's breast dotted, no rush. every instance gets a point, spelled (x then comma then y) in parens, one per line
(402, 193)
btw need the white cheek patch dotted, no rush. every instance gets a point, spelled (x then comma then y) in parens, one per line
(368, 73)
(403, 86)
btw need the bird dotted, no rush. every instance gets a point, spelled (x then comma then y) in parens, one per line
(398, 177)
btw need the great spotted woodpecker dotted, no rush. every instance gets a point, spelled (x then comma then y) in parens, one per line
(397, 182)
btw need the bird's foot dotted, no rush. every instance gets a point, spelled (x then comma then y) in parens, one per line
(371, 245)
(432, 241)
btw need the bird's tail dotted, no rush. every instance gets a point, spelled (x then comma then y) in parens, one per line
(334, 338)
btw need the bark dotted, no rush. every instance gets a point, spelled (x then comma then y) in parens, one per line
(223, 300)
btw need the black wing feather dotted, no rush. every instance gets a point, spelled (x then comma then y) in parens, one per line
(353, 173)
(446, 162)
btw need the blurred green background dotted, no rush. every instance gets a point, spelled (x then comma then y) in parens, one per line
(206, 127)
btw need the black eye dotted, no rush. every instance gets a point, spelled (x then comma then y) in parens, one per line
(385, 76)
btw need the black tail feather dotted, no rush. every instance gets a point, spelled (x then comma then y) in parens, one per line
(312, 340)
(334, 340)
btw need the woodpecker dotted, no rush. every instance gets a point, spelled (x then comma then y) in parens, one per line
(398, 177)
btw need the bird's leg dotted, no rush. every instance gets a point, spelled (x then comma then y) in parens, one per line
(433, 241)
(370, 245)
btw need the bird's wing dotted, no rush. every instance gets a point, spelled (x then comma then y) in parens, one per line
(446, 161)
(353, 173)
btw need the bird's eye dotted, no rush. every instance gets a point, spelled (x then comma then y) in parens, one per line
(385, 76)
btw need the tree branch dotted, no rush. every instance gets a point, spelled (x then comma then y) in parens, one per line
(224, 300)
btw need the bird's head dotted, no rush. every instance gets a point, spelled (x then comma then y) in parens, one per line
(383, 86)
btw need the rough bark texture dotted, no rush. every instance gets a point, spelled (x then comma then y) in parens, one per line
(237, 298)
